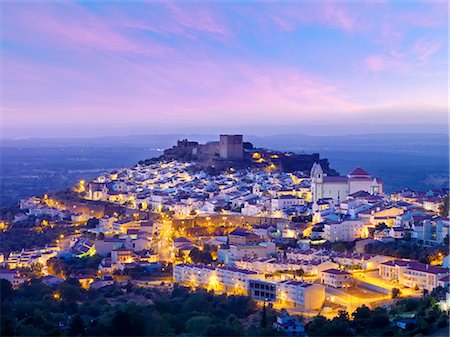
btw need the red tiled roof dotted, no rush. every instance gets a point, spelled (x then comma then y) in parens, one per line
(359, 172)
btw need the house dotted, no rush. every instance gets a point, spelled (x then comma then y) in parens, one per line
(52, 281)
(13, 276)
(241, 236)
(397, 232)
(141, 243)
(387, 216)
(107, 245)
(291, 326)
(336, 278)
(102, 282)
(85, 280)
(285, 201)
(121, 256)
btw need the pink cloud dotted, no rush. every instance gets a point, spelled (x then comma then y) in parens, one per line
(424, 49)
(69, 26)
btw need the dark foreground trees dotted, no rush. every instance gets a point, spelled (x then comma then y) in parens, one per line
(69, 310)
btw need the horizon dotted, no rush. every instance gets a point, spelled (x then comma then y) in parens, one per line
(320, 130)
(71, 67)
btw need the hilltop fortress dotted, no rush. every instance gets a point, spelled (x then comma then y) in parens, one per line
(232, 152)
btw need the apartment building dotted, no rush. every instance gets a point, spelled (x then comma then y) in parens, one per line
(413, 274)
(306, 295)
(347, 230)
(221, 279)
(291, 293)
(336, 278)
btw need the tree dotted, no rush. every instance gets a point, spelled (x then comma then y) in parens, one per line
(395, 292)
(92, 223)
(71, 293)
(100, 236)
(6, 289)
(127, 322)
(362, 313)
(380, 226)
(439, 293)
(444, 207)
(76, 327)
(198, 324)
(407, 236)
(199, 256)
(264, 316)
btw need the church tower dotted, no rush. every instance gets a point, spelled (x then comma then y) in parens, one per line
(374, 187)
(316, 182)
(257, 189)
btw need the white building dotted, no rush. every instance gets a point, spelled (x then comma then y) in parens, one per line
(13, 276)
(347, 230)
(412, 274)
(223, 279)
(338, 188)
(336, 278)
(285, 201)
(307, 295)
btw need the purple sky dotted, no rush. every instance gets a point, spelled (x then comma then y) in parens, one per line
(160, 67)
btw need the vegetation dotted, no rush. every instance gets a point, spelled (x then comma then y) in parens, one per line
(32, 233)
(444, 208)
(405, 250)
(65, 267)
(427, 318)
(395, 292)
(200, 256)
(67, 310)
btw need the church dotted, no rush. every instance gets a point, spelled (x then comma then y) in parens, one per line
(338, 188)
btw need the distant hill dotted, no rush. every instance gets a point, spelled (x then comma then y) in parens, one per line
(32, 166)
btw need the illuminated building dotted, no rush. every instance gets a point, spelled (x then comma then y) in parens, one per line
(412, 274)
(338, 188)
(336, 278)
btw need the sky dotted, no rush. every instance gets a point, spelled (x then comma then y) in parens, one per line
(110, 67)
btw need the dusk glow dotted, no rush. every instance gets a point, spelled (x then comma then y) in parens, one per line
(152, 64)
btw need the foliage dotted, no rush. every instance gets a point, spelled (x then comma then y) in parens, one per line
(444, 208)
(64, 267)
(404, 250)
(199, 256)
(92, 223)
(395, 292)
(29, 233)
(376, 322)
(33, 309)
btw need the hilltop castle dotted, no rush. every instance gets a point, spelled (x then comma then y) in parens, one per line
(232, 151)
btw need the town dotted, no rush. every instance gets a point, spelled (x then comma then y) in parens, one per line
(284, 229)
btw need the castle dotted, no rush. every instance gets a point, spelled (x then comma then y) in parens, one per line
(230, 147)
(338, 187)
(232, 151)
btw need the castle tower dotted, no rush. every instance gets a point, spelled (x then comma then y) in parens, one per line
(231, 147)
